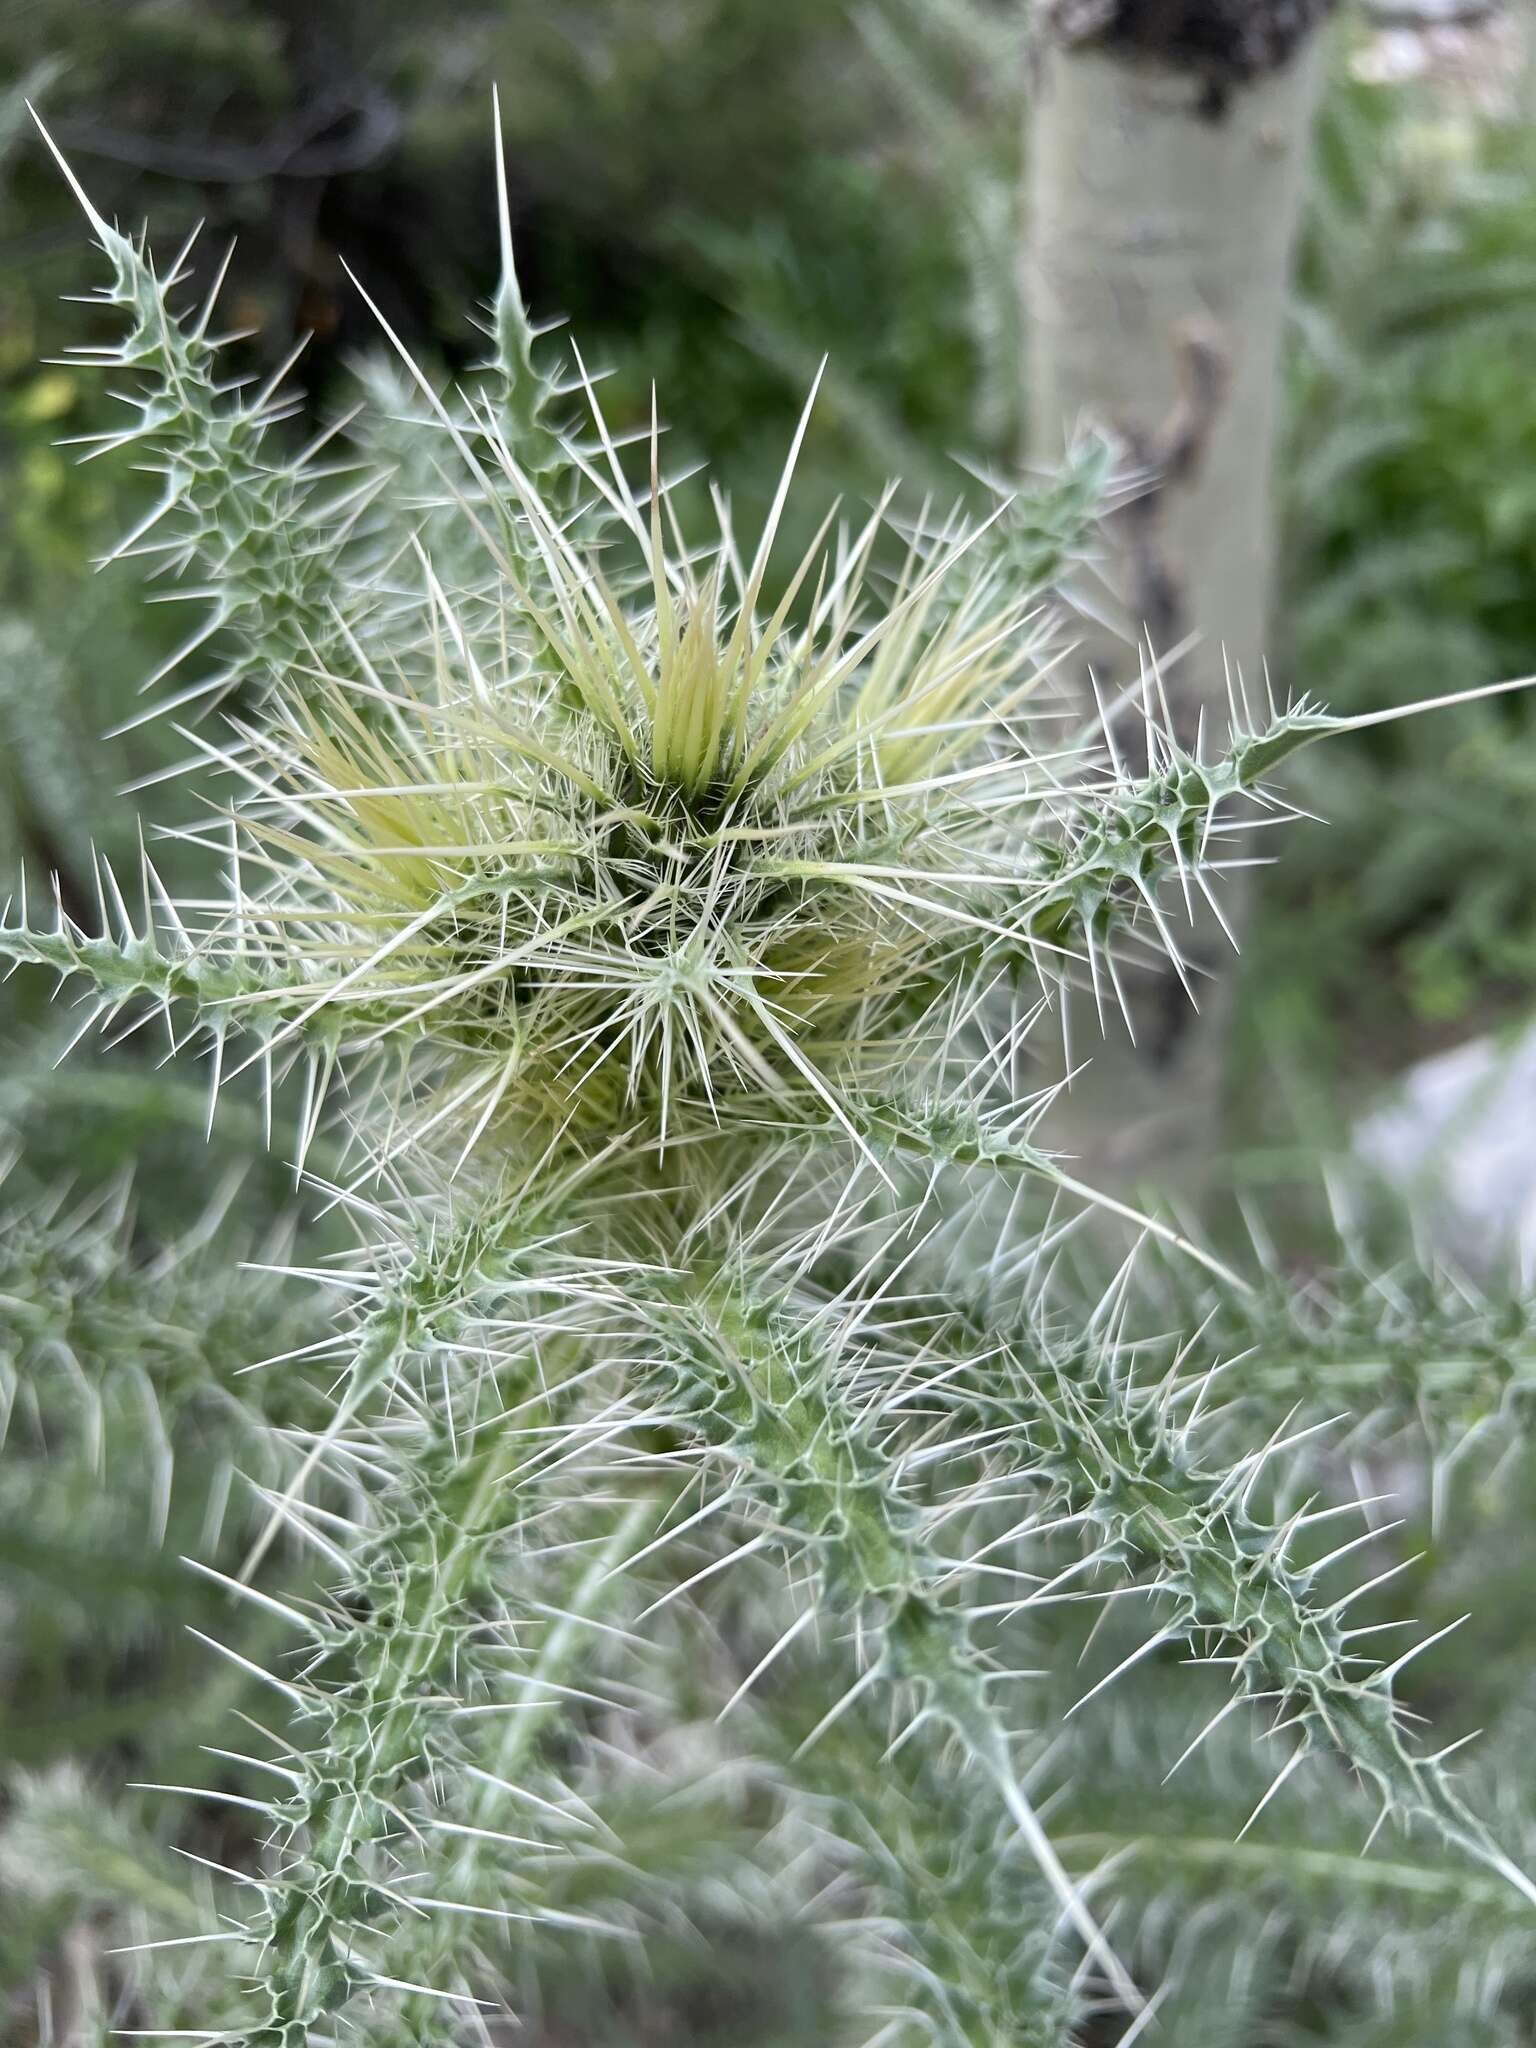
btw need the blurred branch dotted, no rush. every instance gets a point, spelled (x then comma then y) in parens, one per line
(295, 150)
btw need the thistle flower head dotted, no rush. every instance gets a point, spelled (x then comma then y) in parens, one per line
(628, 858)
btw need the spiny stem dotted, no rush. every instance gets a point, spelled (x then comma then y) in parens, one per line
(762, 1395)
(1130, 1474)
(938, 1130)
(248, 524)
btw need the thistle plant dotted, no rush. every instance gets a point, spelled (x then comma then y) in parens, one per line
(653, 934)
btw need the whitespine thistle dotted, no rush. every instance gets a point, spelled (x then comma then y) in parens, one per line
(655, 933)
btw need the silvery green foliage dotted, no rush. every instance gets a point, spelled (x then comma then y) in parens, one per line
(120, 1370)
(653, 935)
(1417, 1356)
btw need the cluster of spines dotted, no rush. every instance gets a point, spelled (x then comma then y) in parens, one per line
(276, 544)
(252, 530)
(438, 1455)
(1120, 1464)
(761, 1394)
(374, 1699)
(1401, 1348)
(720, 1375)
(1078, 880)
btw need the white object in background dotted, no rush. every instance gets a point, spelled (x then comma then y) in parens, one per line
(1427, 13)
(1458, 1138)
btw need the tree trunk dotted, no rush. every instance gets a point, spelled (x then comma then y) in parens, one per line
(1167, 150)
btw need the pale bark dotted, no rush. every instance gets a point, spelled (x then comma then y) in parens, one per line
(1165, 184)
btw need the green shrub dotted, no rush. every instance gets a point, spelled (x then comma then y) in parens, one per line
(1412, 544)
